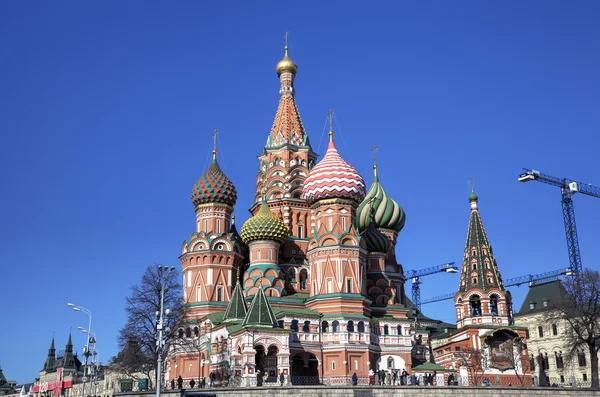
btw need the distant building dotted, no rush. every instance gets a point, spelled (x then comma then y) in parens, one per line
(486, 348)
(7, 386)
(545, 339)
(59, 372)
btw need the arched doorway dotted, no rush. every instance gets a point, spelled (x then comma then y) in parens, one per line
(305, 369)
(271, 363)
(259, 358)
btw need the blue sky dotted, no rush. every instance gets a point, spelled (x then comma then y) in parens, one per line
(107, 110)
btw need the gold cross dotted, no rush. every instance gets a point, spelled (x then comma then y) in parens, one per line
(374, 150)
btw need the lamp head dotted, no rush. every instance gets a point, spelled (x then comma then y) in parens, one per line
(70, 304)
(77, 309)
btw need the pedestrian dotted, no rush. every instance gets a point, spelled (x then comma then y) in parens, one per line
(172, 384)
(211, 378)
(203, 385)
(354, 380)
(371, 377)
(259, 378)
(192, 383)
(180, 382)
(403, 377)
(281, 378)
(394, 377)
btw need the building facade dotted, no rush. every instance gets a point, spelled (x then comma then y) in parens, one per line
(310, 287)
(59, 373)
(546, 342)
(486, 347)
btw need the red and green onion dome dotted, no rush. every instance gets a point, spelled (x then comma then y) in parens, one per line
(387, 214)
(265, 225)
(214, 187)
(333, 177)
(373, 240)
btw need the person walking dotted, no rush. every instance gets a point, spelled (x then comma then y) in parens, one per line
(281, 378)
(211, 378)
(354, 380)
(180, 382)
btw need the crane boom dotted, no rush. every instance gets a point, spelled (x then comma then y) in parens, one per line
(415, 278)
(568, 188)
(515, 281)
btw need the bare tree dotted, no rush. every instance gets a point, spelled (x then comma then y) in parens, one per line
(140, 328)
(579, 308)
(516, 351)
(473, 360)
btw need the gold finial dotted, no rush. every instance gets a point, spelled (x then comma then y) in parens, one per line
(286, 64)
(214, 151)
(233, 219)
(374, 150)
(330, 114)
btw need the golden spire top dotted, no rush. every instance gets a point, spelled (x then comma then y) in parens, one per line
(330, 114)
(286, 65)
(374, 150)
(214, 151)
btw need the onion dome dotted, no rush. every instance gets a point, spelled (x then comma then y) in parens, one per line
(387, 214)
(373, 240)
(473, 196)
(214, 187)
(333, 177)
(286, 65)
(265, 225)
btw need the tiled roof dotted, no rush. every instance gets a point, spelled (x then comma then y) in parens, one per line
(236, 310)
(265, 225)
(539, 293)
(214, 187)
(260, 314)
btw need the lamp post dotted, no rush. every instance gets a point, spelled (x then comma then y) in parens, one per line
(86, 351)
(163, 273)
(95, 355)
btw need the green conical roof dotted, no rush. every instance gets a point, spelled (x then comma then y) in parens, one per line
(236, 310)
(260, 313)
(387, 213)
(265, 225)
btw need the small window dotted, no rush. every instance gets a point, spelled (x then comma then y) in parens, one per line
(191, 366)
(531, 306)
(219, 294)
(457, 348)
(585, 377)
(306, 326)
(356, 365)
(474, 266)
(280, 323)
(474, 280)
(527, 333)
(541, 332)
(333, 365)
(554, 330)
(545, 303)
(294, 325)
(562, 379)
(386, 330)
(350, 326)
(349, 286)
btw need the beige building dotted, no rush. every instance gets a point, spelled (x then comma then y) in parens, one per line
(546, 340)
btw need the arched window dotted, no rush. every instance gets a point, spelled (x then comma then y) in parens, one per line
(188, 333)
(494, 305)
(390, 362)
(306, 326)
(541, 331)
(223, 345)
(303, 277)
(386, 330)
(361, 326)
(280, 323)
(294, 325)
(325, 326)
(554, 330)
(474, 266)
(180, 333)
(196, 332)
(581, 358)
(350, 326)
(475, 305)
(399, 330)
(335, 326)
(559, 360)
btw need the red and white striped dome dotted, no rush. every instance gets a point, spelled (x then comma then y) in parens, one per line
(333, 177)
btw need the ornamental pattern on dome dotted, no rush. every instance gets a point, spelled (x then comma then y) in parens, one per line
(387, 213)
(265, 225)
(333, 177)
(214, 187)
(373, 240)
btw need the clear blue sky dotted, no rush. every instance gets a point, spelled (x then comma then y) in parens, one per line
(107, 109)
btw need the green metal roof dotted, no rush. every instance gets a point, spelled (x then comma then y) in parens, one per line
(284, 311)
(538, 293)
(236, 310)
(260, 313)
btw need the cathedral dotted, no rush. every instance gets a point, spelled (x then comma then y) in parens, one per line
(310, 287)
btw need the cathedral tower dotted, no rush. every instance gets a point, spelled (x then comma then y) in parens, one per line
(334, 189)
(481, 297)
(284, 165)
(213, 255)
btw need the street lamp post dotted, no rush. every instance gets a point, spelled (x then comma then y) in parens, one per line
(95, 355)
(163, 273)
(86, 351)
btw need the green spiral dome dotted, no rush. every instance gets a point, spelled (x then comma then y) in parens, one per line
(387, 213)
(265, 225)
(373, 240)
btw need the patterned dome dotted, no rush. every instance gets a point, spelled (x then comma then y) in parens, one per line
(373, 240)
(387, 213)
(265, 225)
(333, 177)
(214, 187)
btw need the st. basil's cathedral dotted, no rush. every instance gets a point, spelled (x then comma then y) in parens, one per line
(310, 287)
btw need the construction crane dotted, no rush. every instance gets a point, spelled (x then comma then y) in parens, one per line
(515, 281)
(568, 188)
(415, 278)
